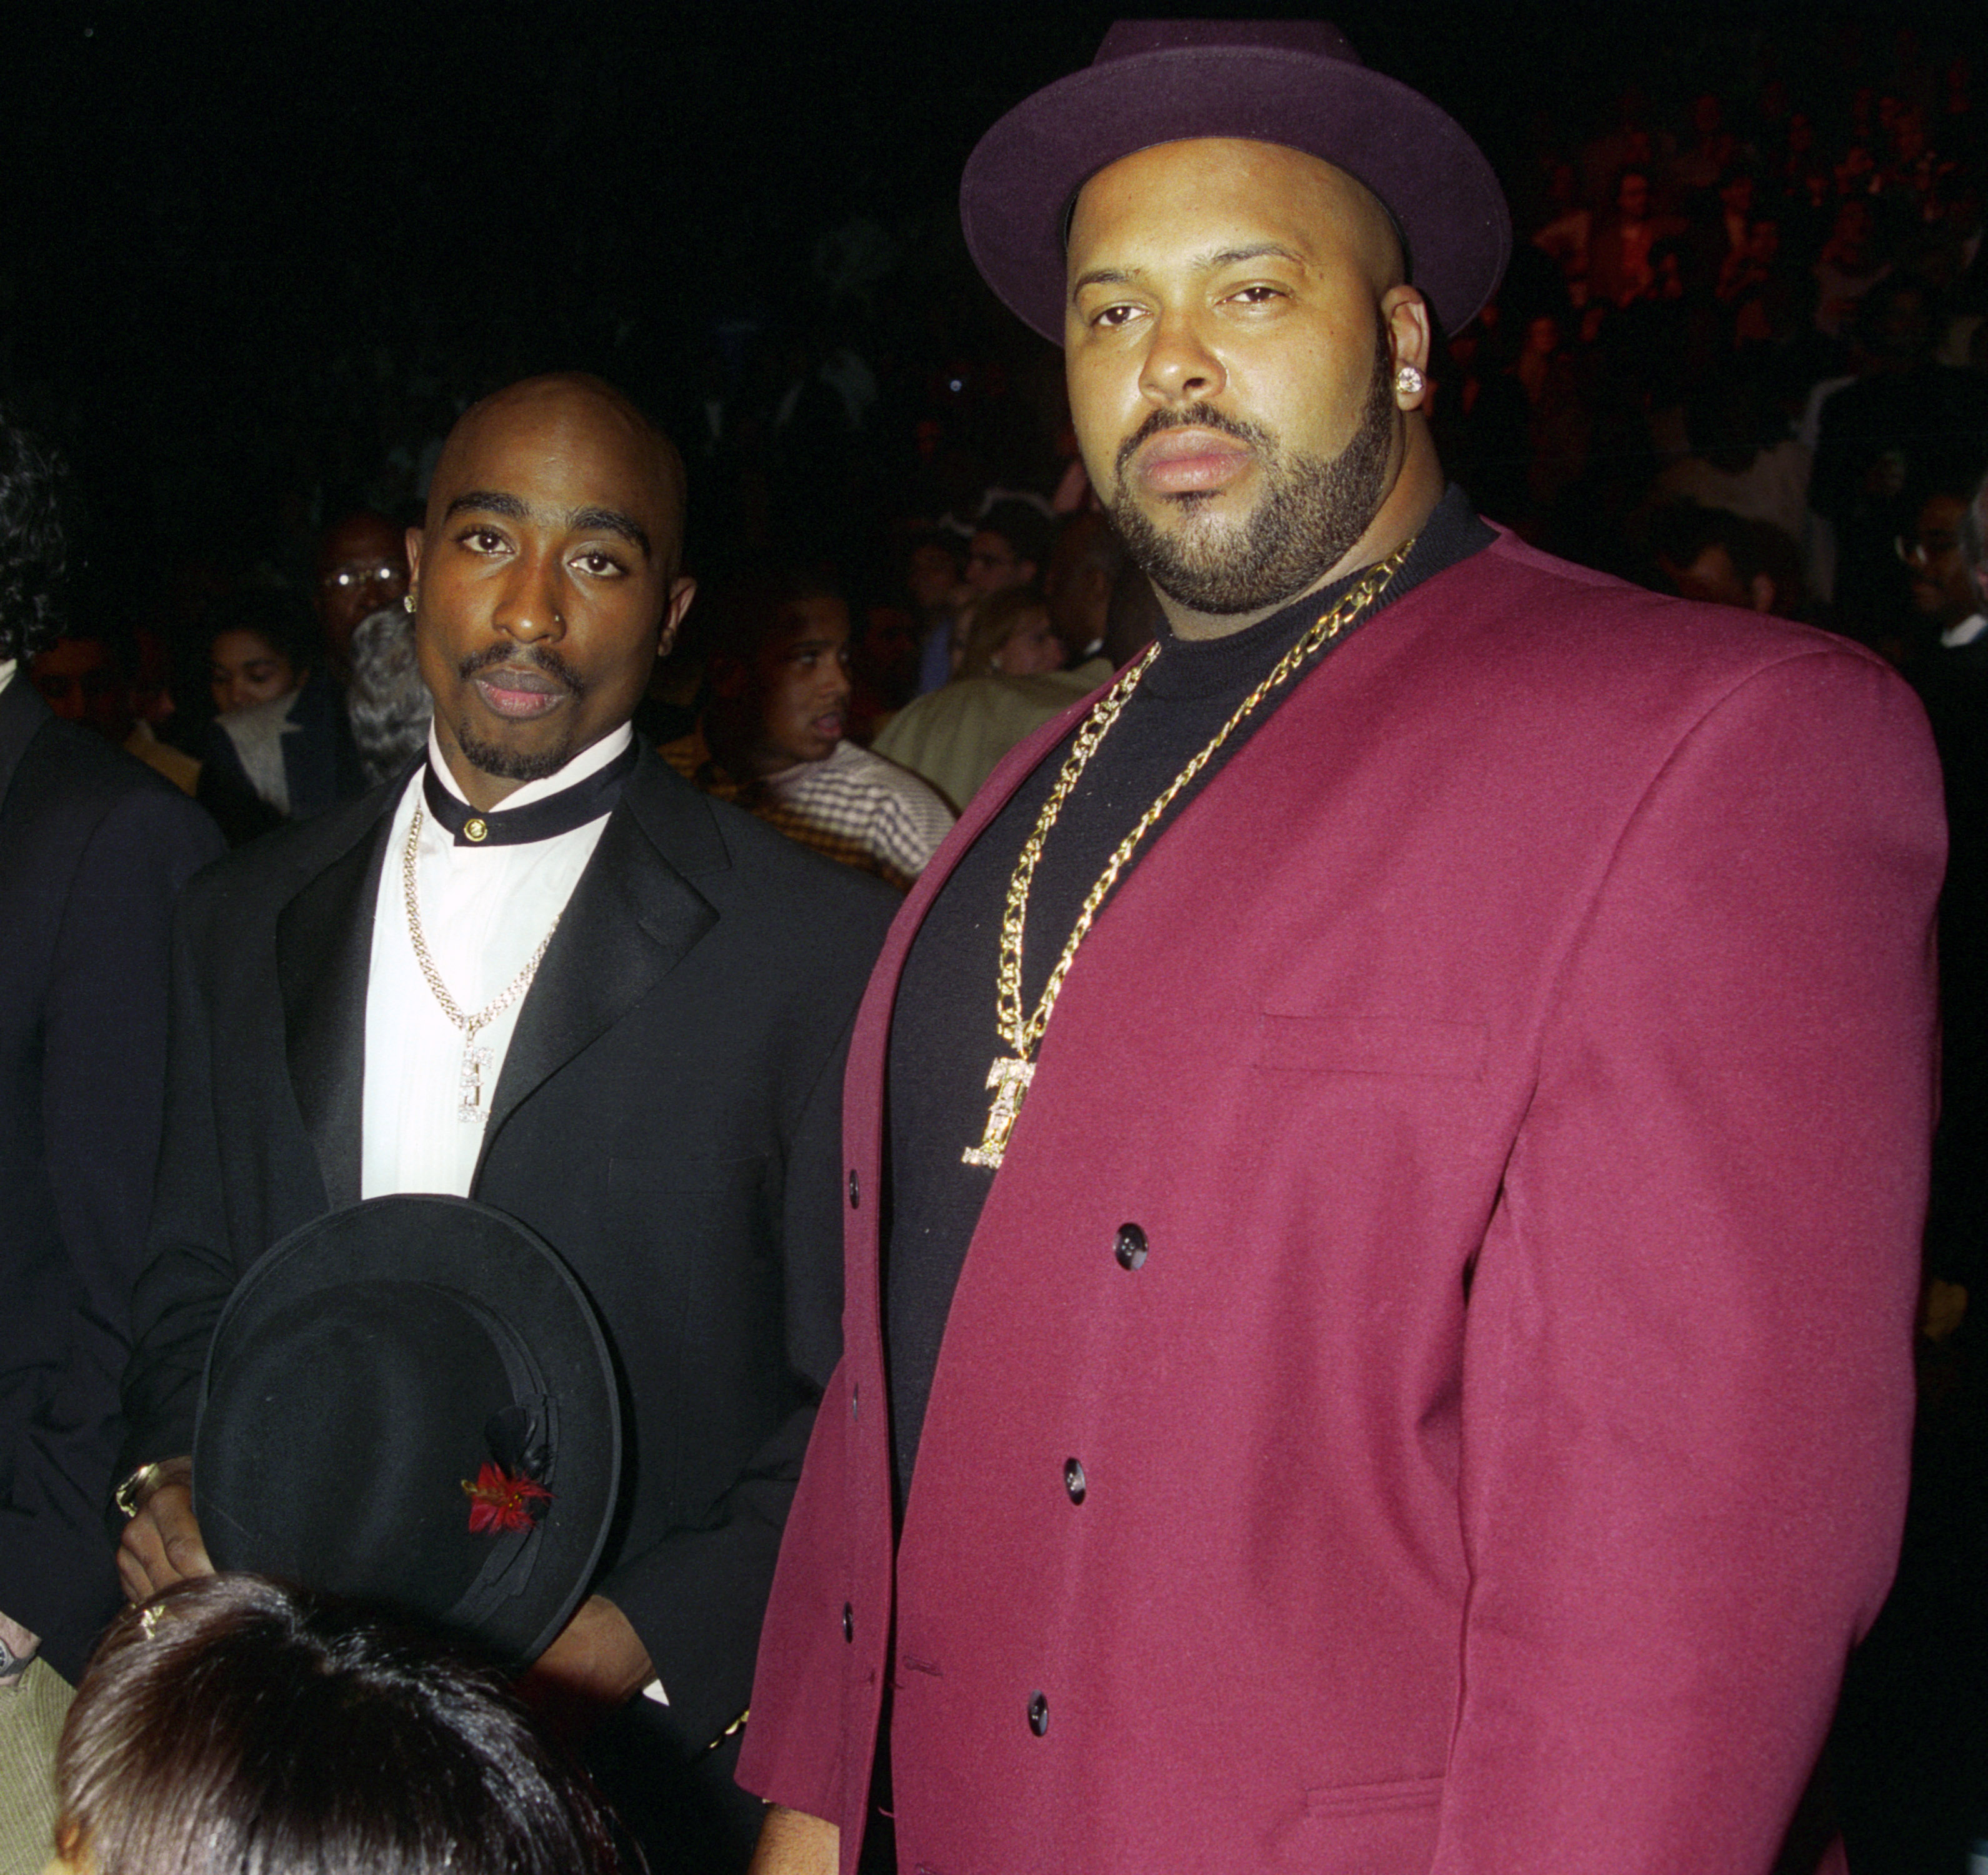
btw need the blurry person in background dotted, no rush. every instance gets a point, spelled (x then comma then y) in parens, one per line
(935, 579)
(94, 848)
(99, 679)
(771, 735)
(1008, 635)
(279, 748)
(1010, 545)
(386, 702)
(1727, 559)
(362, 566)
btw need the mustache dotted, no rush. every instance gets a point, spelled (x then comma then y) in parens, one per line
(541, 658)
(1192, 416)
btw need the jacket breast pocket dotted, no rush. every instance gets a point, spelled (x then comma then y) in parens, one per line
(1362, 1044)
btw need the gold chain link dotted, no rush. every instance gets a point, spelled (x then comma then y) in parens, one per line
(1021, 1035)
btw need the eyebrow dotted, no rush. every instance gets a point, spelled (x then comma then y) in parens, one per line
(612, 521)
(515, 508)
(1203, 263)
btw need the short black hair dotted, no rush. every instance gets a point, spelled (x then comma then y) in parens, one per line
(33, 550)
(742, 611)
(1022, 525)
(233, 1723)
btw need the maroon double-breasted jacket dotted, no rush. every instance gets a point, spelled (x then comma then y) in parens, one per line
(1518, 1064)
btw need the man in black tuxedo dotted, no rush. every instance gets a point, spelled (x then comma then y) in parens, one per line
(543, 973)
(94, 847)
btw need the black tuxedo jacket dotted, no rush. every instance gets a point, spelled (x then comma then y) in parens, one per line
(667, 1117)
(94, 847)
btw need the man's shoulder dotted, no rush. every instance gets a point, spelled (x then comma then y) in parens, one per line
(1515, 647)
(1569, 610)
(73, 776)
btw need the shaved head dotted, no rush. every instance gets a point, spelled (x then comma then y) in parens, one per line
(567, 398)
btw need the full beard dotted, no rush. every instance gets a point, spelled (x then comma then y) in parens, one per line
(1310, 514)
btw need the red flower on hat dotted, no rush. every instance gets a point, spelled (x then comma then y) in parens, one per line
(502, 1500)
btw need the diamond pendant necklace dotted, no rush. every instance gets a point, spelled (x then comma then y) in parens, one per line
(469, 1108)
(1009, 1078)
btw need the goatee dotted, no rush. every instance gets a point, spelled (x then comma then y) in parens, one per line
(1311, 512)
(494, 758)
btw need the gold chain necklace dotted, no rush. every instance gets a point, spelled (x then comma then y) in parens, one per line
(469, 1082)
(1009, 1078)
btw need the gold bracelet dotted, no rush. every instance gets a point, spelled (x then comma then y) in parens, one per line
(129, 1497)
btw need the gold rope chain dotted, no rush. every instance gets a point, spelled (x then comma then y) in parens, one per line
(1023, 1034)
(474, 1060)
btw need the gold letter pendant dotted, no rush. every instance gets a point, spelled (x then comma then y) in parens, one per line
(1009, 1080)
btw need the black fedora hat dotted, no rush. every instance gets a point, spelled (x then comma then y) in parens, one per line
(1293, 82)
(409, 1401)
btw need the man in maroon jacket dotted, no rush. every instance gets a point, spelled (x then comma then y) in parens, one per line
(1402, 1362)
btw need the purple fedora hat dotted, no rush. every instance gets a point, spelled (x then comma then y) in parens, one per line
(1293, 82)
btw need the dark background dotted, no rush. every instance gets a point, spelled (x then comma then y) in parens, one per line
(251, 260)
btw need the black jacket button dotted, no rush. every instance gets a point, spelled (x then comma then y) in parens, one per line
(854, 1190)
(848, 1621)
(1130, 1248)
(1072, 1479)
(1039, 1715)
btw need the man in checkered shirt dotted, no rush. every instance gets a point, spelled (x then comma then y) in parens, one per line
(770, 738)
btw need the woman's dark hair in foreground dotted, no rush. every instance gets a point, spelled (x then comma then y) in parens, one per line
(235, 1726)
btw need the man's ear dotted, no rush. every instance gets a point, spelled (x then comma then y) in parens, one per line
(681, 593)
(1760, 591)
(415, 537)
(1407, 317)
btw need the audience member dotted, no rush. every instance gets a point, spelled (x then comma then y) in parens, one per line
(1084, 565)
(1879, 438)
(1940, 574)
(883, 670)
(93, 678)
(1009, 547)
(1008, 635)
(233, 1724)
(386, 702)
(770, 738)
(362, 566)
(955, 736)
(1726, 559)
(93, 851)
(1741, 458)
(935, 579)
(279, 748)
(1621, 254)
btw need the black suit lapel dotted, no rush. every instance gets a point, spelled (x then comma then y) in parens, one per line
(632, 917)
(324, 954)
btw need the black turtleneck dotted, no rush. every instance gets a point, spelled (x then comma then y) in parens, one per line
(942, 1030)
